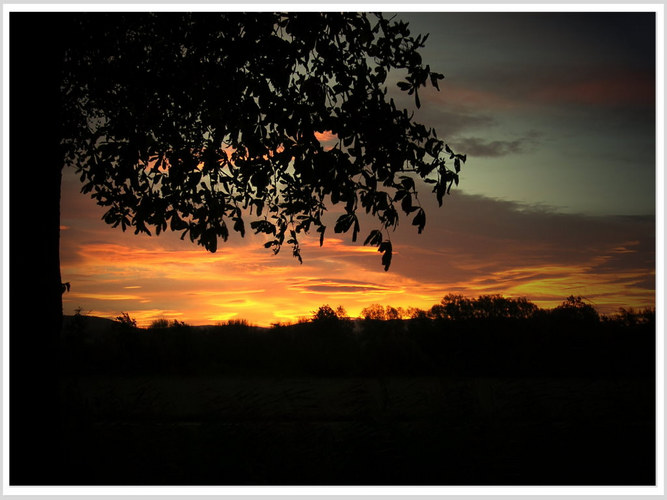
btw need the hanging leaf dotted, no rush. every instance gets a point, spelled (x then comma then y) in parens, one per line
(419, 220)
(385, 247)
(176, 223)
(343, 223)
(239, 227)
(321, 230)
(408, 182)
(374, 238)
(406, 204)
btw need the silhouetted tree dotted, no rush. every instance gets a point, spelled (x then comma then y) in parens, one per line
(575, 309)
(416, 313)
(499, 307)
(453, 306)
(325, 313)
(458, 307)
(374, 312)
(202, 123)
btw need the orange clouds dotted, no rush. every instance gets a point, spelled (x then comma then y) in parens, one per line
(203, 288)
(246, 282)
(476, 246)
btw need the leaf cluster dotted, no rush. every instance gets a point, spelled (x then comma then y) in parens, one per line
(201, 122)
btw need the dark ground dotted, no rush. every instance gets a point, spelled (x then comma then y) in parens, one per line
(361, 431)
(386, 403)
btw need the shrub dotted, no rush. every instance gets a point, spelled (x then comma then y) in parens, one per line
(159, 323)
(125, 321)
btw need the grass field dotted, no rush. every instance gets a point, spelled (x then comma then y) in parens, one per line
(545, 400)
(395, 430)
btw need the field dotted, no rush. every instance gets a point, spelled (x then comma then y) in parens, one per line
(418, 430)
(580, 415)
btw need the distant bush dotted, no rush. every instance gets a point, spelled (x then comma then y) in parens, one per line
(159, 323)
(234, 323)
(163, 324)
(125, 321)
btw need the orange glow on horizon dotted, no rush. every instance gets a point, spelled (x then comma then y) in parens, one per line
(248, 282)
(163, 277)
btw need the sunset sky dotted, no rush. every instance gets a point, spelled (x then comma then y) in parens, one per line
(556, 113)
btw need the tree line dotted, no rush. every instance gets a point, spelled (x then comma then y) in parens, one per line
(457, 307)
(486, 336)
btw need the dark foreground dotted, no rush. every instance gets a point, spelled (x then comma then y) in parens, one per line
(378, 403)
(358, 431)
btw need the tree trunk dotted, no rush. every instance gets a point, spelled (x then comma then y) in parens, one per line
(36, 54)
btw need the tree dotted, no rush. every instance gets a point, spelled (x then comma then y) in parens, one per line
(204, 124)
(453, 307)
(575, 309)
(327, 314)
(498, 307)
(373, 312)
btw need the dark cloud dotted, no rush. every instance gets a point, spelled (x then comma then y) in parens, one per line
(473, 146)
(324, 285)
(449, 122)
(445, 111)
(342, 289)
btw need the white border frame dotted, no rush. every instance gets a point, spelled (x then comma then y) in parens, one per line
(659, 489)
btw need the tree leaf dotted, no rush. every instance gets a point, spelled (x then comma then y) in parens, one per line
(419, 220)
(374, 238)
(406, 204)
(408, 182)
(176, 223)
(239, 227)
(385, 247)
(356, 229)
(343, 223)
(321, 230)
